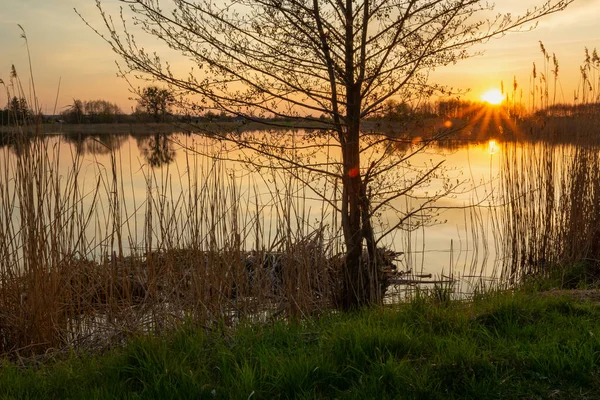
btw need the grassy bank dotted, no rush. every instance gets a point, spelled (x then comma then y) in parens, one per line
(502, 346)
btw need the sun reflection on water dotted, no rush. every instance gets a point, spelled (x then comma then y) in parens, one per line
(492, 147)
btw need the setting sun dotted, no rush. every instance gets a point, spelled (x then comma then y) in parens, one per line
(492, 96)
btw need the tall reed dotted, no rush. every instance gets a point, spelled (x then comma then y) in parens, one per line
(85, 260)
(552, 191)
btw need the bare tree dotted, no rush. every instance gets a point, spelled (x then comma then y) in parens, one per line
(303, 58)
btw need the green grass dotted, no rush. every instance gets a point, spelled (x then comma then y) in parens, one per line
(578, 275)
(499, 347)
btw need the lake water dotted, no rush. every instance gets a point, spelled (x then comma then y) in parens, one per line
(156, 191)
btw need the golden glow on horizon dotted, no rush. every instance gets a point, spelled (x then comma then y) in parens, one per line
(492, 96)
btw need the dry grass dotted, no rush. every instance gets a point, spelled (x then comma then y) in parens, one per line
(74, 271)
(84, 263)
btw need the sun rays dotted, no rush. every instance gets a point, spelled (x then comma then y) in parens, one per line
(492, 118)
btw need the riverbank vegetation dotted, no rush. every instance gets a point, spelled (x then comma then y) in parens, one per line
(105, 294)
(85, 261)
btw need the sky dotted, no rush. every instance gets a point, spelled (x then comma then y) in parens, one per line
(63, 49)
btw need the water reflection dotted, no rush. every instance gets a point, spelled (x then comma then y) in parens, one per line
(7, 139)
(208, 189)
(492, 147)
(157, 150)
(98, 144)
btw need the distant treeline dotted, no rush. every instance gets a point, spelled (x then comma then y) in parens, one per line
(449, 108)
(18, 111)
(568, 110)
(473, 110)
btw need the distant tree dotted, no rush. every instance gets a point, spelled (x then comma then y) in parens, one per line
(74, 113)
(458, 108)
(19, 109)
(93, 111)
(396, 110)
(101, 111)
(210, 116)
(156, 102)
(5, 117)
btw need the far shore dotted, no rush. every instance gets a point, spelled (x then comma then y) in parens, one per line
(141, 128)
(145, 128)
(543, 128)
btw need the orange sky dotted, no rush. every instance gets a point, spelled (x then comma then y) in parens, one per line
(62, 47)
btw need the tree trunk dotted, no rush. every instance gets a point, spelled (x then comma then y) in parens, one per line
(360, 277)
(354, 295)
(361, 281)
(360, 273)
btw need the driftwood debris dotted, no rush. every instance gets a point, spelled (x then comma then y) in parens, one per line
(420, 280)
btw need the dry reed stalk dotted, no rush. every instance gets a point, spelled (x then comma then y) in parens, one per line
(74, 272)
(553, 194)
